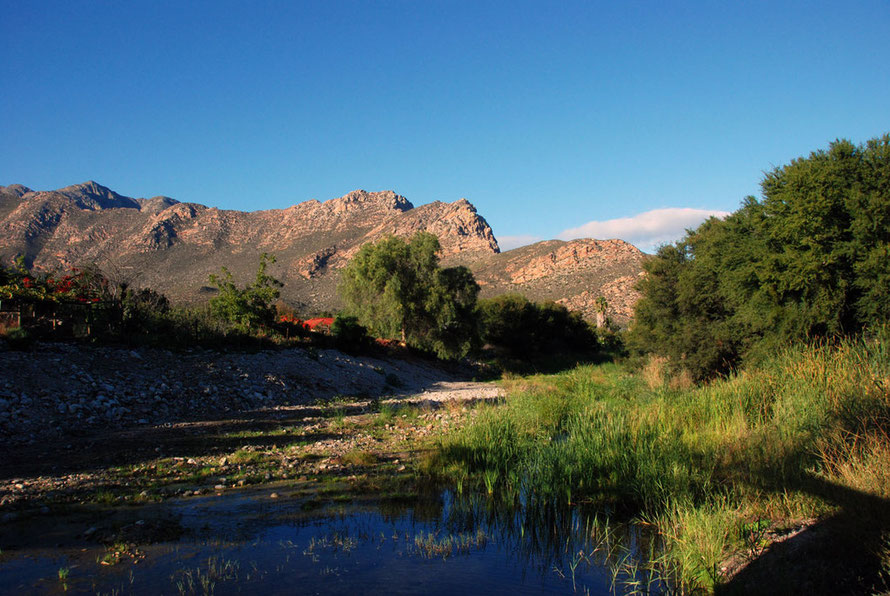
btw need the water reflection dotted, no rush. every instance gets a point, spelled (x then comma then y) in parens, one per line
(438, 543)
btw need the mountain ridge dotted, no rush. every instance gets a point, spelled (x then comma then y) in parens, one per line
(173, 246)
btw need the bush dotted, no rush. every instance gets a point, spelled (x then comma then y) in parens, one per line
(348, 333)
(19, 339)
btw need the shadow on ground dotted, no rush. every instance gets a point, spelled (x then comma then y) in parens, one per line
(839, 554)
(99, 450)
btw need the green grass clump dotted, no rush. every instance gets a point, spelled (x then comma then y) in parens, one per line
(804, 434)
(245, 456)
(358, 457)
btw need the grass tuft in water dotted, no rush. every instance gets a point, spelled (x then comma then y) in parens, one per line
(204, 579)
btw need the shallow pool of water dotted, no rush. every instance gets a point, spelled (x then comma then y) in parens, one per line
(251, 542)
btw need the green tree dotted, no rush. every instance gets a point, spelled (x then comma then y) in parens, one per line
(810, 259)
(397, 289)
(250, 307)
(602, 309)
(523, 329)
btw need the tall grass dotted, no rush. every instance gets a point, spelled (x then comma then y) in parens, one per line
(699, 462)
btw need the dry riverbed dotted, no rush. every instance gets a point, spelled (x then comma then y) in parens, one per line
(301, 427)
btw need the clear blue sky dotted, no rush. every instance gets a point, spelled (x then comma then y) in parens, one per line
(546, 115)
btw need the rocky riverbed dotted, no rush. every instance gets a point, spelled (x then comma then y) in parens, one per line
(57, 390)
(86, 424)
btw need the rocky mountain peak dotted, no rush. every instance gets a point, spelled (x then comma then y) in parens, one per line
(364, 201)
(92, 195)
(15, 189)
(157, 204)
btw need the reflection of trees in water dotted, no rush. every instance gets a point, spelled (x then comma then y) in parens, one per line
(548, 538)
(542, 539)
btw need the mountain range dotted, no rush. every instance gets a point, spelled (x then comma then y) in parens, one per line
(173, 247)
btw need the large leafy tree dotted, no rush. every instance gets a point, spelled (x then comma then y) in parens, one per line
(809, 259)
(523, 329)
(397, 289)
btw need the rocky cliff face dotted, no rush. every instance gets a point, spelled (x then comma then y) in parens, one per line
(173, 246)
(573, 273)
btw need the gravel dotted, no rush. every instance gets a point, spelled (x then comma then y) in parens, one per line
(62, 389)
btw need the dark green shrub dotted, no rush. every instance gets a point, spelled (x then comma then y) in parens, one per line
(348, 333)
(19, 339)
(250, 307)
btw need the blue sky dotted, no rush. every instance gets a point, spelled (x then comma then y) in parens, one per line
(553, 118)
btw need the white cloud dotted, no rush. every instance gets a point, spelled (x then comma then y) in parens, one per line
(510, 242)
(647, 231)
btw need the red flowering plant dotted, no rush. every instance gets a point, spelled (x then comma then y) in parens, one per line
(84, 285)
(18, 283)
(78, 285)
(320, 324)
